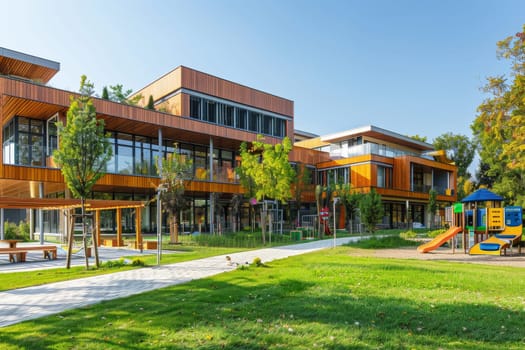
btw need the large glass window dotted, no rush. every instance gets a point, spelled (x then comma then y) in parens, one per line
(253, 121)
(24, 142)
(267, 125)
(195, 107)
(241, 122)
(210, 111)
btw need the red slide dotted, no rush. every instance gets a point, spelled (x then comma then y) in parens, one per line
(439, 240)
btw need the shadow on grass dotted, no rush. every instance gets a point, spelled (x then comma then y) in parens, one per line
(237, 312)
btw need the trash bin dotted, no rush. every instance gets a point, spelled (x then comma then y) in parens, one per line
(296, 235)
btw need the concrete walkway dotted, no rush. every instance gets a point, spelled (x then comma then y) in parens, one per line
(28, 303)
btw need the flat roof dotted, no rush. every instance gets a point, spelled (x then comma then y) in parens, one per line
(379, 133)
(22, 65)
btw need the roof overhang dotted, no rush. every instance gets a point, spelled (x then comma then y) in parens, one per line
(378, 133)
(20, 65)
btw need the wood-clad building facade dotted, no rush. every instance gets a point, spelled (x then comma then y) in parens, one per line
(402, 170)
(207, 117)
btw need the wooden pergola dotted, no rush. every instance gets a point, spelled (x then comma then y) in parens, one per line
(96, 205)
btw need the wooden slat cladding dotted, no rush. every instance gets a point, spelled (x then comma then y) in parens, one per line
(308, 156)
(211, 85)
(10, 66)
(184, 77)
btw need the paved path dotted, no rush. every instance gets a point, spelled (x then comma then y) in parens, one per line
(28, 303)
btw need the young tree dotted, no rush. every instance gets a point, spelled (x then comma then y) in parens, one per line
(499, 127)
(173, 171)
(83, 153)
(371, 209)
(301, 182)
(267, 167)
(151, 103)
(432, 205)
(350, 200)
(117, 94)
(105, 93)
(460, 149)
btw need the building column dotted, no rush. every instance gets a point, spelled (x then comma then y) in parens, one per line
(41, 213)
(119, 227)
(212, 197)
(2, 223)
(138, 228)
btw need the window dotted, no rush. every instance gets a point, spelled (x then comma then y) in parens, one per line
(384, 177)
(279, 128)
(195, 107)
(267, 125)
(24, 142)
(253, 121)
(210, 111)
(242, 115)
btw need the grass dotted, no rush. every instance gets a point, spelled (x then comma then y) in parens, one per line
(387, 242)
(15, 280)
(323, 300)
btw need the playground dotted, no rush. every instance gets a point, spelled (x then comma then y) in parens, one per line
(480, 225)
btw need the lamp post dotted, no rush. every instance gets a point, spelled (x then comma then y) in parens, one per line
(336, 199)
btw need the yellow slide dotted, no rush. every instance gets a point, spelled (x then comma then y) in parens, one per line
(439, 240)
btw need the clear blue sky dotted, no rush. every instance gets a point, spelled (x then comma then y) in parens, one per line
(413, 67)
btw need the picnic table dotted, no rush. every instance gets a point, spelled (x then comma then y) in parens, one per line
(18, 253)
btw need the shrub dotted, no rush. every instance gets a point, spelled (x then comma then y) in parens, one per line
(138, 262)
(408, 234)
(382, 243)
(20, 232)
(257, 262)
(435, 233)
(115, 263)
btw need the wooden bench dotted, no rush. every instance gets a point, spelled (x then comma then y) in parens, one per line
(15, 254)
(50, 251)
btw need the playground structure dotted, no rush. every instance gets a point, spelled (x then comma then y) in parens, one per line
(485, 226)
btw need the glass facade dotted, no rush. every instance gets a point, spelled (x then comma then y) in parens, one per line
(236, 117)
(24, 142)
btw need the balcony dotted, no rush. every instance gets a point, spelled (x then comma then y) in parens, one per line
(338, 151)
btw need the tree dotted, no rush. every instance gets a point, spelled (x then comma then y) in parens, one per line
(419, 138)
(105, 93)
(459, 148)
(173, 171)
(350, 200)
(301, 182)
(266, 168)
(151, 103)
(117, 94)
(83, 153)
(499, 127)
(432, 205)
(371, 209)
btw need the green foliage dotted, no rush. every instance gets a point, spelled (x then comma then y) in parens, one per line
(105, 93)
(137, 262)
(419, 138)
(20, 232)
(235, 240)
(459, 148)
(115, 263)
(499, 127)
(388, 242)
(265, 168)
(173, 171)
(371, 210)
(257, 262)
(83, 149)
(435, 233)
(408, 234)
(349, 199)
(118, 94)
(151, 103)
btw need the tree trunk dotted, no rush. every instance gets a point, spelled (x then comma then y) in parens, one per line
(95, 242)
(84, 233)
(174, 229)
(71, 236)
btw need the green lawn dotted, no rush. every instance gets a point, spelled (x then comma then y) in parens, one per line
(32, 278)
(323, 300)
